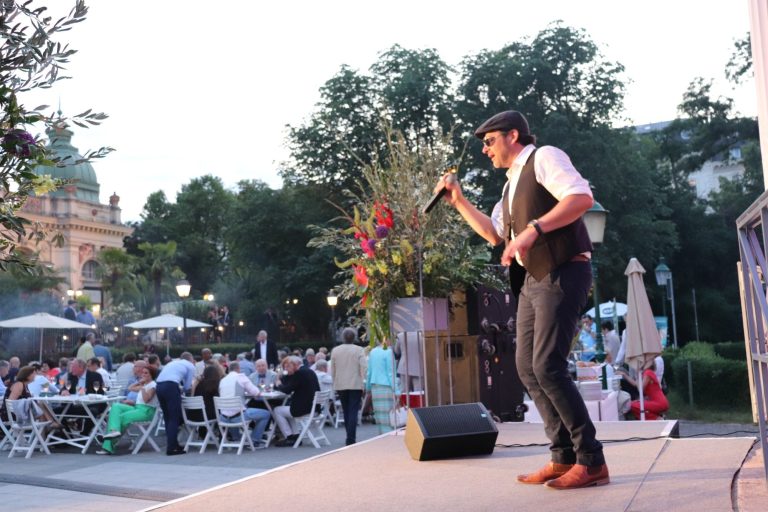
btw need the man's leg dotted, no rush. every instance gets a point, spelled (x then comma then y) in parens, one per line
(282, 415)
(169, 396)
(260, 419)
(561, 446)
(350, 403)
(559, 301)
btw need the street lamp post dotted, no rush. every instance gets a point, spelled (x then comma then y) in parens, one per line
(333, 299)
(183, 288)
(664, 278)
(594, 219)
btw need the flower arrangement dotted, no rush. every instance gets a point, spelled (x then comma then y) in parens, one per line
(389, 249)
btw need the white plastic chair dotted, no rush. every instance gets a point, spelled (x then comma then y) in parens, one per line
(196, 403)
(145, 432)
(338, 417)
(26, 430)
(313, 423)
(227, 423)
(8, 437)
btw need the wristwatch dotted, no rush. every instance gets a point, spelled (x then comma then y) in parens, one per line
(535, 225)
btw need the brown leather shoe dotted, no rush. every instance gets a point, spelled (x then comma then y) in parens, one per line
(549, 472)
(581, 476)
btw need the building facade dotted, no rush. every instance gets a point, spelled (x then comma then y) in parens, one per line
(78, 226)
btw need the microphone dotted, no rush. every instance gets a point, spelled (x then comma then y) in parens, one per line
(440, 193)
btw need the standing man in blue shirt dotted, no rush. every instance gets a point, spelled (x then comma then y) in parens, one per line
(175, 375)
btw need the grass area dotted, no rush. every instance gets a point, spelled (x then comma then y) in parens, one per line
(679, 408)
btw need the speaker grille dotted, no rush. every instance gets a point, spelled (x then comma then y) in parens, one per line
(455, 419)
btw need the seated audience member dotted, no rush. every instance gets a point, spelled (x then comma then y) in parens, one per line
(124, 372)
(320, 356)
(130, 396)
(81, 382)
(95, 364)
(206, 386)
(235, 384)
(122, 415)
(4, 367)
(309, 358)
(246, 366)
(654, 400)
(205, 358)
(154, 361)
(19, 390)
(50, 370)
(302, 382)
(323, 377)
(41, 383)
(611, 341)
(263, 376)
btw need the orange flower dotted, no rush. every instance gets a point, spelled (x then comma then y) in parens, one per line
(361, 277)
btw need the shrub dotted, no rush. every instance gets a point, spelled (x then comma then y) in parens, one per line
(716, 381)
(731, 350)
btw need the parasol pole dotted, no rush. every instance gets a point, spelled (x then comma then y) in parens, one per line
(640, 379)
(41, 347)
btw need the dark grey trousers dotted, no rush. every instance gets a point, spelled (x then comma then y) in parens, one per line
(547, 315)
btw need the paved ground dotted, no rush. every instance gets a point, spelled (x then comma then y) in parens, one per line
(125, 483)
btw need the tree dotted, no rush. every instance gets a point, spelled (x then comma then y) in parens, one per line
(413, 88)
(116, 271)
(739, 67)
(31, 59)
(157, 263)
(559, 81)
(405, 89)
(269, 258)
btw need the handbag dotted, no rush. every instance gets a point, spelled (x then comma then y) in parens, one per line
(398, 416)
(399, 413)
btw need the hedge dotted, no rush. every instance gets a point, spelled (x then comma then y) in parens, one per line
(716, 381)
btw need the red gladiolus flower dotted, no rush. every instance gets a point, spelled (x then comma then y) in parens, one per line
(366, 247)
(365, 302)
(383, 214)
(361, 278)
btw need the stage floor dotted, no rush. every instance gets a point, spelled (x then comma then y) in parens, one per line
(379, 475)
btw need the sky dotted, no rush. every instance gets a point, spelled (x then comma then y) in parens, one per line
(194, 88)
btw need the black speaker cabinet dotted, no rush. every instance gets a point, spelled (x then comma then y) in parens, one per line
(500, 388)
(450, 431)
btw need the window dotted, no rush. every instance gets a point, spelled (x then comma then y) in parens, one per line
(734, 153)
(90, 270)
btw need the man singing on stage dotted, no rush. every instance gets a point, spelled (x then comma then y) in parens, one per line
(539, 218)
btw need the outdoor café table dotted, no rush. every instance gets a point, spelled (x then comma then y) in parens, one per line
(267, 397)
(73, 438)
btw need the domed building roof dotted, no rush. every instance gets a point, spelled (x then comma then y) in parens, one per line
(81, 174)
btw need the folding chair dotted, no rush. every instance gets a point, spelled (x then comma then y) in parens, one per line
(338, 416)
(27, 430)
(145, 432)
(197, 404)
(313, 423)
(227, 423)
(8, 437)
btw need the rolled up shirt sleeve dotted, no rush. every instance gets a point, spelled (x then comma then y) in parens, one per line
(555, 171)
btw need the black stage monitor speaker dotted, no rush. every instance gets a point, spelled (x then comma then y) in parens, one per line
(450, 431)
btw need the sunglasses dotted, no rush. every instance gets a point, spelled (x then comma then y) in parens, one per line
(489, 141)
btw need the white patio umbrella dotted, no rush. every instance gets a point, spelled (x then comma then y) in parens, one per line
(42, 321)
(166, 321)
(643, 340)
(610, 309)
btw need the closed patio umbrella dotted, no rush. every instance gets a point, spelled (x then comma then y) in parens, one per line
(166, 321)
(42, 321)
(643, 340)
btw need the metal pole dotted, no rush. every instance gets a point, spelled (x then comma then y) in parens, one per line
(599, 347)
(674, 320)
(695, 315)
(184, 314)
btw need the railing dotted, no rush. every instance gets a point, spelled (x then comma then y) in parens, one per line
(752, 228)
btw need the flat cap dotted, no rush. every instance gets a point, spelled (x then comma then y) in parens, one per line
(504, 121)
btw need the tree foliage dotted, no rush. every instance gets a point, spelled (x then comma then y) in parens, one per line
(32, 58)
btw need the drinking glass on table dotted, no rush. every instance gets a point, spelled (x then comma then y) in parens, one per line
(96, 386)
(45, 387)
